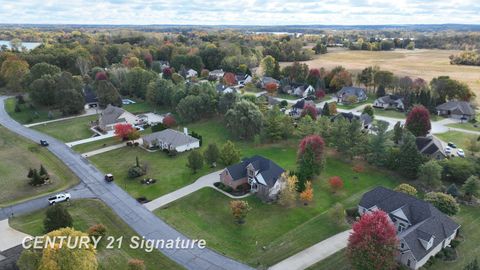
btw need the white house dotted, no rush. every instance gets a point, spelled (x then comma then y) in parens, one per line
(114, 115)
(422, 229)
(191, 73)
(217, 73)
(170, 139)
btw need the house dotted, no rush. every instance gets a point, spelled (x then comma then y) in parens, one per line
(223, 89)
(260, 173)
(216, 74)
(170, 140)
(302, 90)
(431, 147)
(456, 109)
(114, 115)
(191, 73)
(422, 229)
(267, 80)
(91, 99)
(298, 107)
(389, 102)
(243, 79)
(364, 118)
(348, 91)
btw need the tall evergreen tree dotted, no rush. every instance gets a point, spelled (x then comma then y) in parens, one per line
(409, 158)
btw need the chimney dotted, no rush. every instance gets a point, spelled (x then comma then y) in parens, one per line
(185, 131)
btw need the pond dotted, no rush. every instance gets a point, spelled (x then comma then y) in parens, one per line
(28, 45)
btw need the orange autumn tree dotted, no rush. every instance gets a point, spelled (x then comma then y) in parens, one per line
(336, 183)
(229, 79)
(307, 195)
(124, 131)
(271, 88)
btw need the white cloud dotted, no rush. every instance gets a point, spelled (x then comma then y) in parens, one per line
(249, 12)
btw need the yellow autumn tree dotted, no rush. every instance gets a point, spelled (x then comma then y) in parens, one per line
(307, 195)
(288, 193)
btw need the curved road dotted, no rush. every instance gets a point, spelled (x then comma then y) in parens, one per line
(144, 222)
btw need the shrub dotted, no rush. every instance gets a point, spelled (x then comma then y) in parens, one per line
(444, 202)
(57, 217)
(352, 212)
(454, 243)
(450, 254)
(97, 230)
(407, 189)
(358, 168)
(136, 264)
(135, 171)
(336, 183)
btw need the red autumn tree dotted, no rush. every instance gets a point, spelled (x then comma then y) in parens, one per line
(418, 121)
(319, 94)
(316, 143)
(167, 73)
(148, 59)
(169, 121)
(336, 183)
(271, 88)
(229, 79)
(373, 242)
(123, 131)
(310, 111)
(101, 76)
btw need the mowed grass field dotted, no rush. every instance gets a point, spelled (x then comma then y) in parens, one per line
(423, 63)
(272, 232)
(86, 213)
(69, 130)
(18, 155)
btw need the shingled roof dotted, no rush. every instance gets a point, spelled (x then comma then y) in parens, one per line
(110, 115)
(457, 107)
(429, 145)
(171, 137)
(268, 169)
(426, 220)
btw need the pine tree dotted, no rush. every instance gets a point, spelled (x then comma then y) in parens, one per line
(409, 158)
(43, 173)
(397, 132)
(326, 109)
(452, 190)
(30, 173)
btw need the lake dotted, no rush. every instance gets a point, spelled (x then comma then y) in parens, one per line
(28, 45)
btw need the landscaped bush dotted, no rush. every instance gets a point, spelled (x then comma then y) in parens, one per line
(358, 168)
(135, 171)
(449, 254)
(219, 185)
(454, 244)
(97, 230)
(352, 212)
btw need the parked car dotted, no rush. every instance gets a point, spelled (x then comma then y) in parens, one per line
(448, 150)
(44, 143)
(460, 153)
(452, 145)
(61, 197)
(109, 177)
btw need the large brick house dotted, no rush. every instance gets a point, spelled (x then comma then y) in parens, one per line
(422, 229)
(260, 173)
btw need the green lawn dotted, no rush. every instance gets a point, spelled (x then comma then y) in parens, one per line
(69, 130)
(144, 107)
(86, 213)
(370, 99)
(457, 137)
(18, 155)
(468, 250)
(390, 113)
(87, 147)
(287, 96)
(271, 232)
(467, 126)
(29, 115)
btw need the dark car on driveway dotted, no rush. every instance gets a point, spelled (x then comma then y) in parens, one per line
(43, 143)
(108, 177)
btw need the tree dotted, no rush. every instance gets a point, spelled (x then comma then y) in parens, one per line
(457, 170)
(60, 256)
(443, 202)
(384, 78)
(430, 173)
(71, 101)
(310, 158)
(195, 161)
(239, 210)
(191, 108)
(472, 144)
(277, 125)
(471, 187)
(229, 79)
(310, 110)
(13, 71)
(57, 217)
(326, 110)
(211, 154)
(36, 179)
(378, 147)
(307, 195)
(336, 183)
(229, 154)
(452, 190)
(107, 94)
(409, 159)
(136, 264)
(161, 92)
(271, 88)
(244, 120)
(137, 81)
(368, 110)
(169, 121)
(397, 132)
(337, 214)
(123, 130)
(43, 173)
(226, 102)
(373, 242)
(288, 193)
(418, 121)
(341, 79)
(268, 66)
(407, 189)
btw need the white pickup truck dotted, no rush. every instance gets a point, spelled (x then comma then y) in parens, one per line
(61, 197)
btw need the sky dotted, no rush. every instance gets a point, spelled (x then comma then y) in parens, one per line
(240, 12)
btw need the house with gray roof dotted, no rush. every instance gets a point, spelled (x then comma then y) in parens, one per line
(113, 115)
(348, 91)
(389, 102)
(260, 173)
(422, 229)
(267, 80)
(170, 140)
(431, 147)
(364, 118)
(456, 109)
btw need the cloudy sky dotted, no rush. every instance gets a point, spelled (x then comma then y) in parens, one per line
(240, 12)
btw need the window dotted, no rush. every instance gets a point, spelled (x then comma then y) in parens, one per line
(402, 245)
(409, 262)
(401, 227)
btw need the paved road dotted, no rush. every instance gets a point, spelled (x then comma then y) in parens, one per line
(315, 253)
(10, 237)
(144, 222)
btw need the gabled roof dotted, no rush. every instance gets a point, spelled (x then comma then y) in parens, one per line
(351, 91)
(429, 145)
(365, 118)
(427, 221)
(267, 170)
(110, 115)
(390, 99)
(267, 80)
(171, 137)
(457, 107)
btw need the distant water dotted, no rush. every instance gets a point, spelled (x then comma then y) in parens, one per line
(28, 45)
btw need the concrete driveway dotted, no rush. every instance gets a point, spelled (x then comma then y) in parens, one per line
(9, 236)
